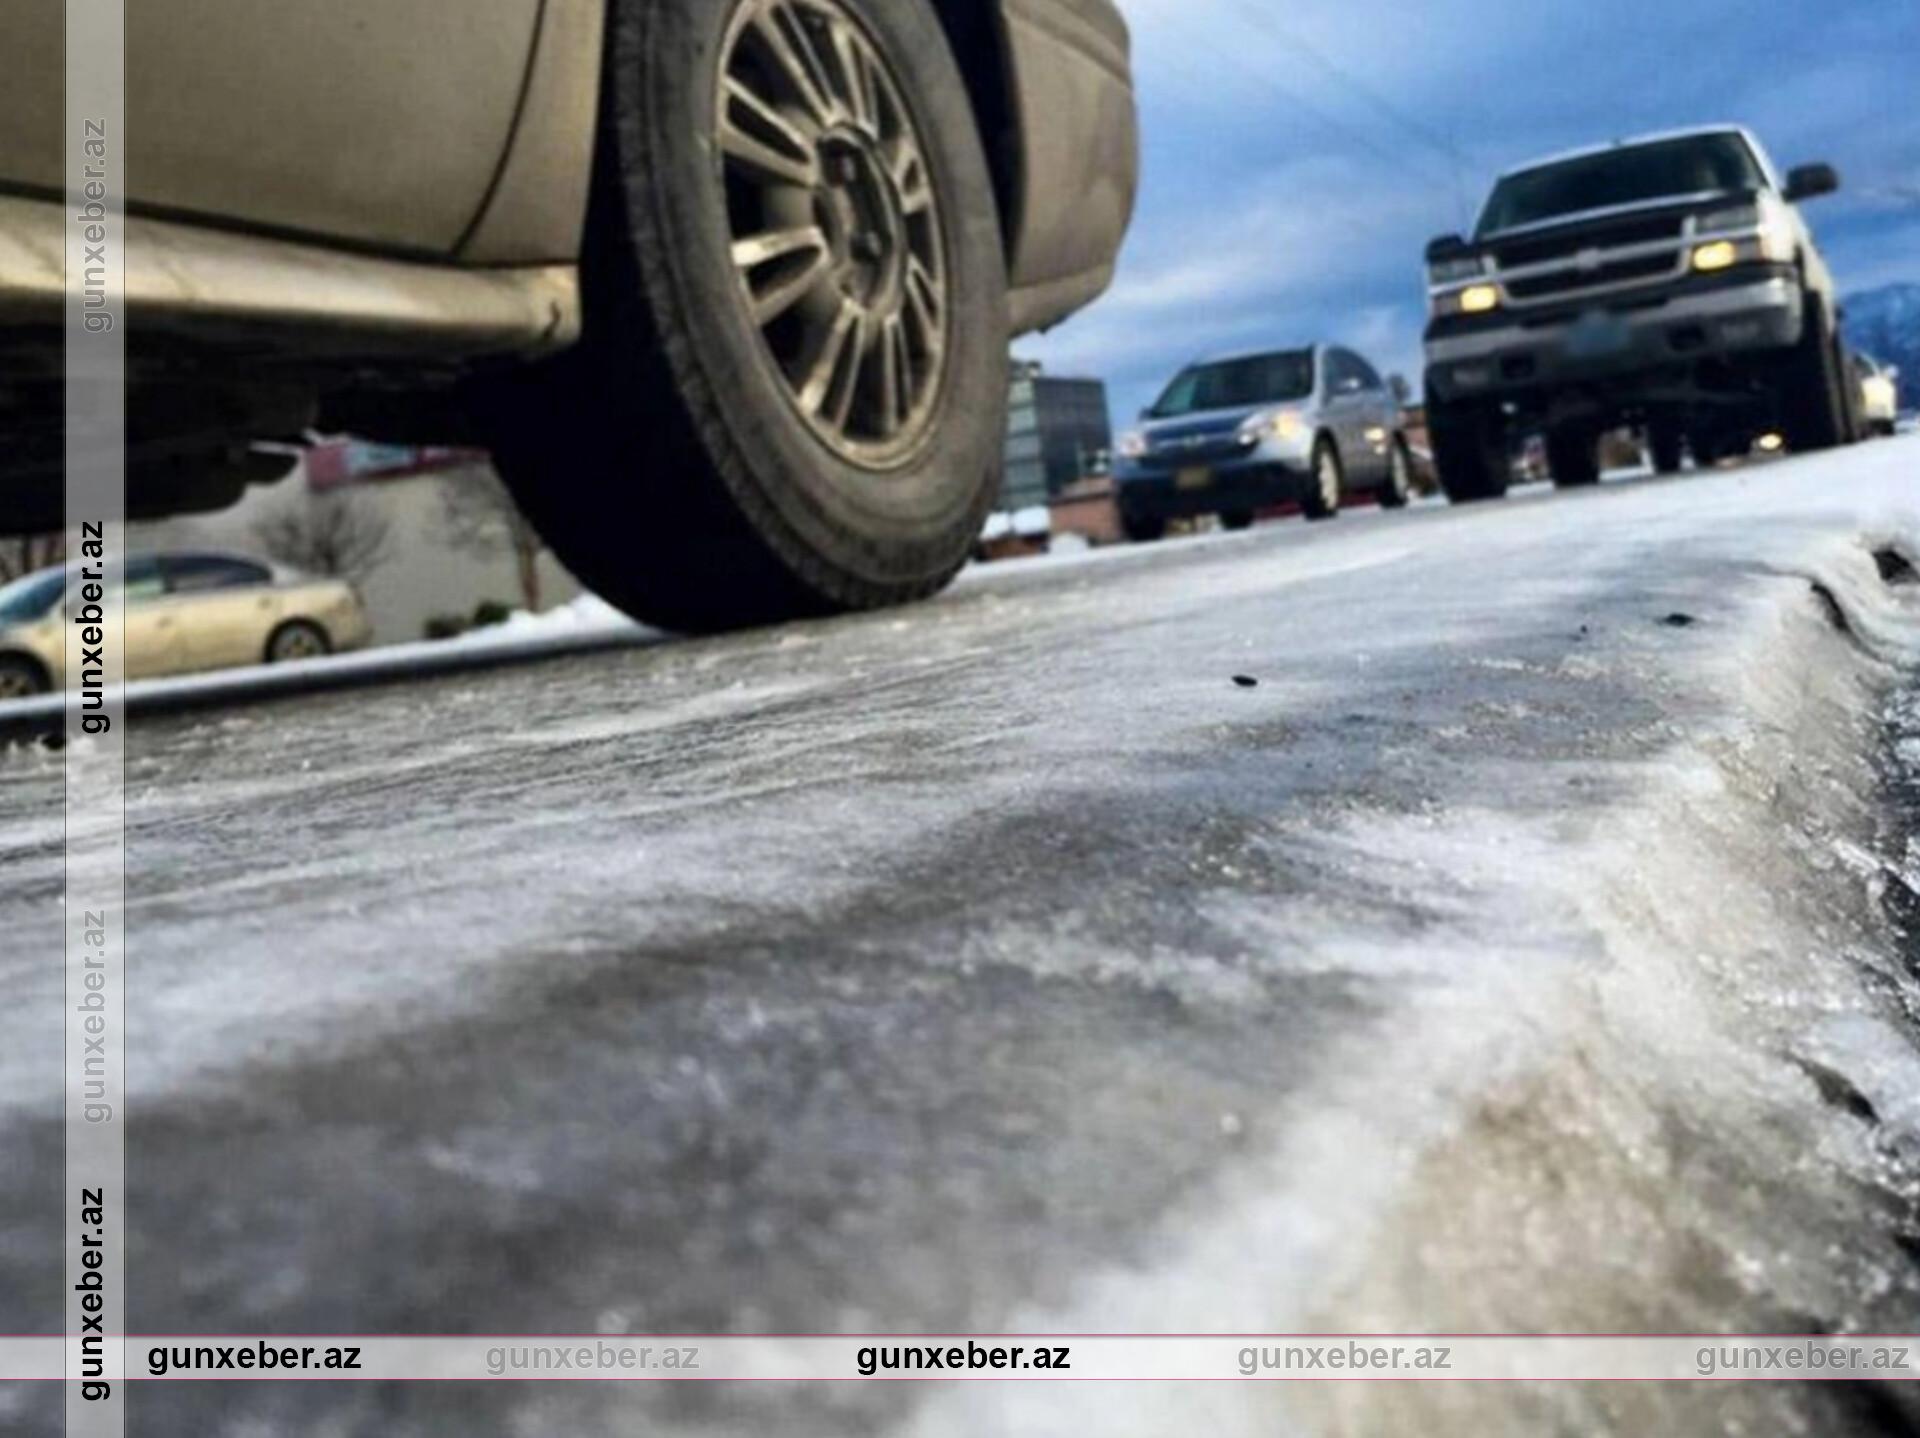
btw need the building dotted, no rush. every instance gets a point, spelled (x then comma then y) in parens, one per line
(1058, 433)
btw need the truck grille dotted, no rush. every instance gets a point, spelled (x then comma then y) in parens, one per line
(1568, 245)
(1617, 272)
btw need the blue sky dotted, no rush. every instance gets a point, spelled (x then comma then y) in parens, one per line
(1298, 154)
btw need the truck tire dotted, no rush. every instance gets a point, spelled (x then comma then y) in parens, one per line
(1469, 452)
(1573, 456)
(1666, 447)
(1143, 528)
(790, 397)
(1236, 519)
(1815, 380)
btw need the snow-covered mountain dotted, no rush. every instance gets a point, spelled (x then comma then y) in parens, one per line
(1885, 323)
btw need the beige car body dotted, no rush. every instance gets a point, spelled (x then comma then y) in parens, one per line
(353, 184)
(174, 628)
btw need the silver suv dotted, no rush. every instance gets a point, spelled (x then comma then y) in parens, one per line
(1233, 436)
(1669, 282)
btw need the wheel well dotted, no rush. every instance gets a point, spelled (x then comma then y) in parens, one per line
(32, 661)
(979, 44)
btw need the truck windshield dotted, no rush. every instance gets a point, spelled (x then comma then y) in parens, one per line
(31, 598)
(1696, 165)
(1238, 384)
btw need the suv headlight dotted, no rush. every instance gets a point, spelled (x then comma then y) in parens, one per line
(1132, 445)
(1280, 424)
(1452, 272)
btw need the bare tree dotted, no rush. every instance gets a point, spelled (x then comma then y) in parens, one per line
(341, 535)
(479, 517)
(25, 555)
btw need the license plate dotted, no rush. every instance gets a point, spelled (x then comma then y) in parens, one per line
(1597, 335)
(1197, 478)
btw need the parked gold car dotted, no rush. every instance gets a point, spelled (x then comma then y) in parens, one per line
(185, 613)
(725, 285)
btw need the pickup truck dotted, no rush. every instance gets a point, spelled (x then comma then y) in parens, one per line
(1669, 283)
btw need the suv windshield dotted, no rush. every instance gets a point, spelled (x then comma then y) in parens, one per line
(32, 597)
(1238, 384)
(1697, 165)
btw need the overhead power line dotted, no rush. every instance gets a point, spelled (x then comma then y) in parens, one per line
(1387, 154)
(1459, 161)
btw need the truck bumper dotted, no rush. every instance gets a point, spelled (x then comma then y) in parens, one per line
(1617, 342)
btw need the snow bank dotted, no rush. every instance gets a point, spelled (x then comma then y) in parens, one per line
(585, 624)
(1656, 1070)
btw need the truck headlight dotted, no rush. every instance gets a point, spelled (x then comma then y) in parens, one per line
(1735, 217)
(1473, 300)
(1720, 255)
(1132, 445)
(1451, 272)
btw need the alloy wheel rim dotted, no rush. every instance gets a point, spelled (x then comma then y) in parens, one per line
(836, 230)
(296, 644)
(1329, 480)
(1402, 481)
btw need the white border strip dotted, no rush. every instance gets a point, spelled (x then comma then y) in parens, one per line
(94, 1362)
(989, 1358)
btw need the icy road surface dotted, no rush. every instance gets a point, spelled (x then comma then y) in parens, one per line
(1522, 952)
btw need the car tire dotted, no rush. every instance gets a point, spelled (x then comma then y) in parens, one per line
(1816, 380)
(1326, 482)
(1237, 519)
(1143, 528)
(1666, 448)
(22, 678)
(749, 433)
(296, 640)
(1396, 492)
(1469, 454)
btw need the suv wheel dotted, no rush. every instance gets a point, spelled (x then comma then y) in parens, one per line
(1326, 483)
(1816, 380)
(1397, 492)
(790, 398)
(1143, 528)
(1236, 519)
(1573, 456)
(1470, 453)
